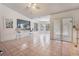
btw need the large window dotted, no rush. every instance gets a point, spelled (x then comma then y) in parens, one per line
(23, 24)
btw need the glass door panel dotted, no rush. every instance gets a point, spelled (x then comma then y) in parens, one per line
(57, 29)
(67, 29)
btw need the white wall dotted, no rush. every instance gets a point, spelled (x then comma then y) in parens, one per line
(10, 33)
(74, 14)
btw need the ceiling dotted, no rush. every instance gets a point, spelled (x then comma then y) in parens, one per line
(44, 8)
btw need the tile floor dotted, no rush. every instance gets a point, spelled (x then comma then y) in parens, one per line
(38, 45)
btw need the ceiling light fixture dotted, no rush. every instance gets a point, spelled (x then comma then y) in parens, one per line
(33, 5)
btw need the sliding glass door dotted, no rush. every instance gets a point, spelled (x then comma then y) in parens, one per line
(62, 29)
